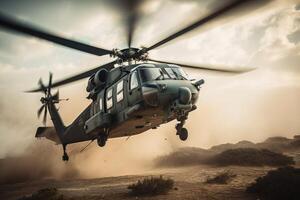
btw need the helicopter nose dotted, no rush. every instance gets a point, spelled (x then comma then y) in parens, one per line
(185, 95)
(150, 95)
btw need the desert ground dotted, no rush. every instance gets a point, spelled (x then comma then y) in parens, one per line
(190, 168)
(189, 184)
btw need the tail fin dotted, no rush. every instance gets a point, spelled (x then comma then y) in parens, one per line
(57, 122)
(53, 133)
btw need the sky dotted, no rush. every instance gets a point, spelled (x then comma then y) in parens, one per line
(251, 106)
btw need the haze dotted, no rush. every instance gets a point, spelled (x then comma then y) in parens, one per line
(252, 106)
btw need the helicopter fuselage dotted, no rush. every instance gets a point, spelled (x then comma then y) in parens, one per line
(135, 99)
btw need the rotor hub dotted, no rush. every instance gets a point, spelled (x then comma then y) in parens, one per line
(43, 100)
(129, 54)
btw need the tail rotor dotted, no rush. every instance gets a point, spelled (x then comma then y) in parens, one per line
(47, 99)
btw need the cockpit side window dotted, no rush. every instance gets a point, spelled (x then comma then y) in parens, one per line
(176, 73)
(134, 83)
(179, 73)
(171, 73)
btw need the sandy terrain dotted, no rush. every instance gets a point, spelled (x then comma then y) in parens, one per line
(189, 184)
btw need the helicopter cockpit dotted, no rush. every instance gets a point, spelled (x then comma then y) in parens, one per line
(156, 73)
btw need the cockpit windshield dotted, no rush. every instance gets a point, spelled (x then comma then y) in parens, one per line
(151, 74)
(176, 73)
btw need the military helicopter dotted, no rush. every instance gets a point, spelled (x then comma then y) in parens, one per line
(126, 99)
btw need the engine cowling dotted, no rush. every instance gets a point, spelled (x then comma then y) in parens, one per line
(100, 77)
(97, 80)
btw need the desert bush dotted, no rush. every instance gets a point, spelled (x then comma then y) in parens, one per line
(221, 178)
(187, 156)
(45, 194)
(251, 157)
(295, 143)
(283, 183)
(151, 186)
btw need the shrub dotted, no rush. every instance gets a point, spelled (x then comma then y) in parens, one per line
(221, 178)
(187, 156)
(45, 194)
(283, 183)
(251, 157)
(151, 186)
(295, 143)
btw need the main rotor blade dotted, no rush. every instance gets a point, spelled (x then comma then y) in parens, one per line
(223, 10)
(209, 68)
(21, 27)
(131, 11)
(40, 111)
(78, 76)
(133, 16)
(131, 23)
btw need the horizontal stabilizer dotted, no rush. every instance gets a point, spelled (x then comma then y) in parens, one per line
(47, 132)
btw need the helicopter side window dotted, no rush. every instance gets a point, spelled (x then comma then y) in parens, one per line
(134, 81)
(100, 105)
(120, 90)
(109, 99)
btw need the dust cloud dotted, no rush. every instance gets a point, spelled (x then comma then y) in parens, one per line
(230, 109)
(240, 107)
(25, 158)
(42, 159)
(37, 162)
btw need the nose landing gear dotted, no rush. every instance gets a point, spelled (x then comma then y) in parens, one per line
(182, 132)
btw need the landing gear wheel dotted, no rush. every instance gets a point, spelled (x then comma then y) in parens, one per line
(101, 140)
(183, 134)
(65, 157)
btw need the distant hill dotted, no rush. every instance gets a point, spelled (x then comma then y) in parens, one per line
(278, 144)
(251, 157)
(241, 144)
(270, 152)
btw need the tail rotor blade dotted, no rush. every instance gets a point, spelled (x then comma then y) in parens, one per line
(45, 116)
(42, 86)
(50, 83)
(40, 111)
(55, 97)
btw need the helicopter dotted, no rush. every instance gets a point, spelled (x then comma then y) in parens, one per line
(126, 99)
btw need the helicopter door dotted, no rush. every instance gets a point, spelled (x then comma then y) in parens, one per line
(134, 94)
